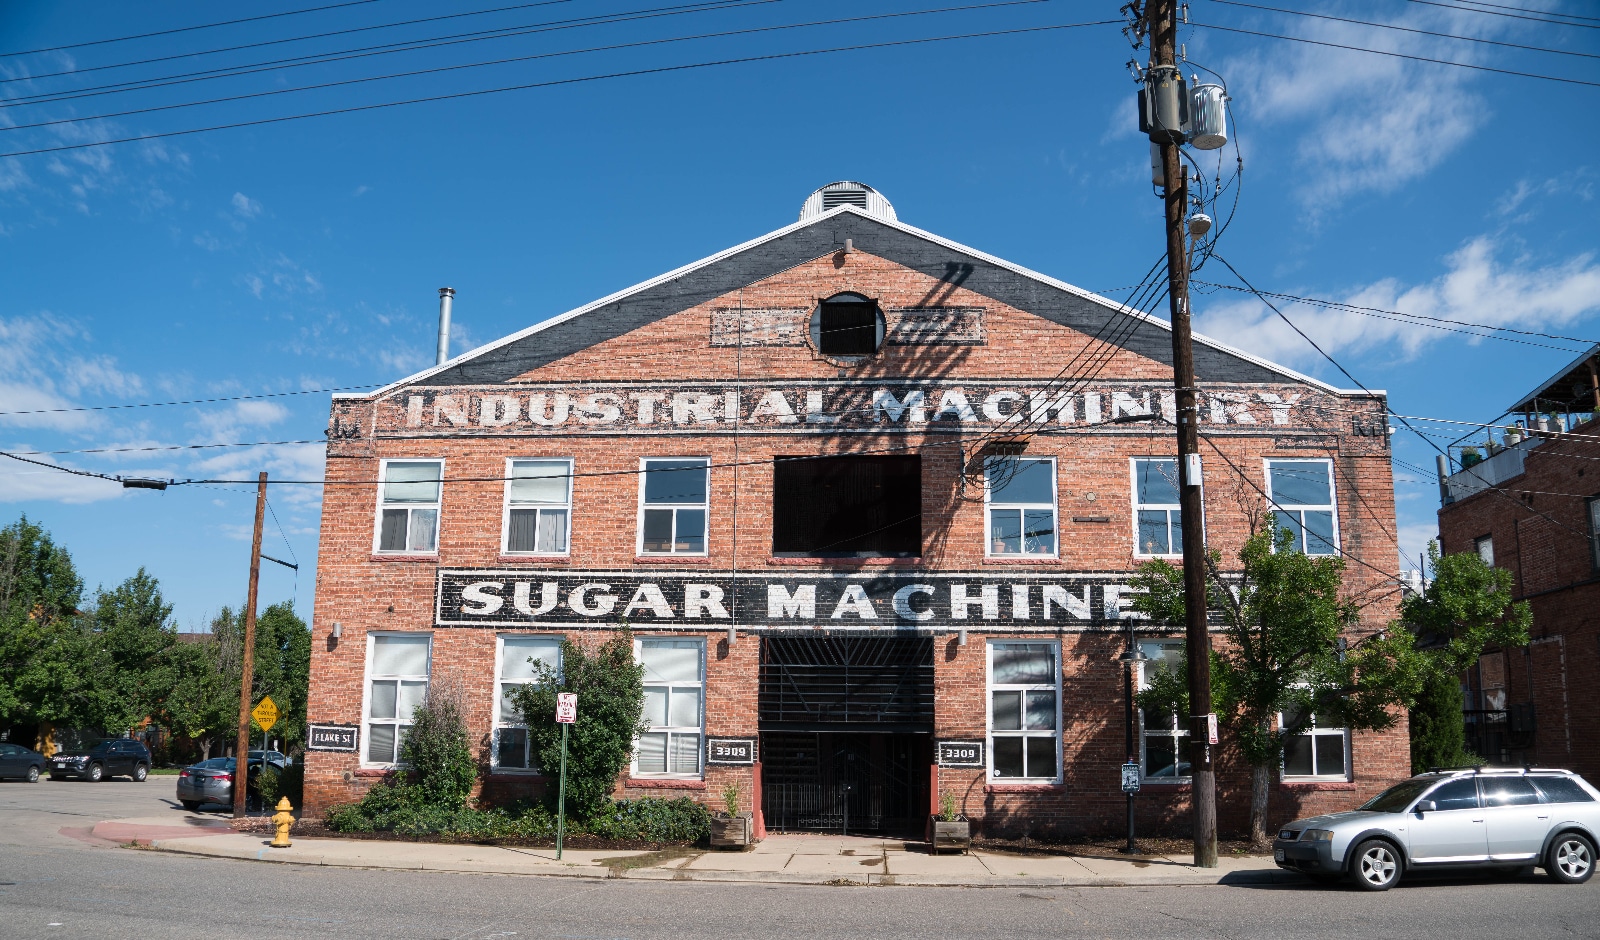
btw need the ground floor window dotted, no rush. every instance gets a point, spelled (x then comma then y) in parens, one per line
(519, 660)
(1166, 735)
(1024, 711)
(674, 692)
(1321, 748)
(397, 681)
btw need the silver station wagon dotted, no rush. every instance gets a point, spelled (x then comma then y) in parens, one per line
(1479, 818)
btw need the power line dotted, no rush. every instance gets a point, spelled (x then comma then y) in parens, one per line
(1514, 16)
(1395, 55)
(129, 450)
(1418, 319)
(509, 60)
(361, 52)
(191, 401)
(1501, 6)
(188, 29)
(1407, 29)
(659, 70)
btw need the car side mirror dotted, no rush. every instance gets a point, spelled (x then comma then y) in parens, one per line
(1427, 806)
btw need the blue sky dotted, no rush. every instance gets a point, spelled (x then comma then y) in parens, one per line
(306, 254)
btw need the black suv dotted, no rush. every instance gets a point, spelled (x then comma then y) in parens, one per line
(119, 757)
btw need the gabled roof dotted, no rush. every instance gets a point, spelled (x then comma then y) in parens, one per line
(807, 240)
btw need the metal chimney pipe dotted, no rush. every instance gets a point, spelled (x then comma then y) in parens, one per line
(445, 295)
(1441, 464)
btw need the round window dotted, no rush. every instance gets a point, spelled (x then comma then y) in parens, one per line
(847, 325)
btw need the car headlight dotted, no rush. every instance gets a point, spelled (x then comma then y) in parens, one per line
(1317, 835)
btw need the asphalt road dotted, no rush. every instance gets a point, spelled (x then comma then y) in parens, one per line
(54, 885)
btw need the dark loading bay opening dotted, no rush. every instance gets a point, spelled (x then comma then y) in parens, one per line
(846, 733)
(845, 507)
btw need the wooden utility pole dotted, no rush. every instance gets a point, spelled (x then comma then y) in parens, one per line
(247, 663)
(1163, 29)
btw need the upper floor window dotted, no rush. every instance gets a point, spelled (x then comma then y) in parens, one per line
(856, 506)
(1021, 503)
(674, 692)
(1165, 732)
(1320, 748)
(1302, 502)
(1024, 712)
(1485, 548)
(672, 512)
(1592, 510)
(1157, 517)
(397, 681)
(519, 661)
(408, 506)
(538, 506)
(847, 325)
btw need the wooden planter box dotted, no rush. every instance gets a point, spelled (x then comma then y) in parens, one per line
(731, 831)
(942, 835)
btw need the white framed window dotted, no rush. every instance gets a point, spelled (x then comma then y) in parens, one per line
(1591, 509)
(674, 696)
(538, 510)
(518, 657)
(1485, 548)
(408, 507)
(1157, 516)
(1163, 752)
(673, 497)
(1319, 750)
(1024, 712)
(1302, 502)
(1020, 499)
(398, 665)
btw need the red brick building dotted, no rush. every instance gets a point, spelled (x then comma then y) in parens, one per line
(870, 501)
(1531, 505)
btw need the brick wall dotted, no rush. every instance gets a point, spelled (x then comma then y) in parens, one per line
(365, 592)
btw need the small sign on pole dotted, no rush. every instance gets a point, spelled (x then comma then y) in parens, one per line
(1211, 728)
(266, 713)
(1130, 777)
(566, 714)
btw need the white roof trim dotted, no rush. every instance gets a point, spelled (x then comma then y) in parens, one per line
(908, 229)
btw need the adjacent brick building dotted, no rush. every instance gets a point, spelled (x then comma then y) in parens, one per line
(1531, 505)
(870, 501)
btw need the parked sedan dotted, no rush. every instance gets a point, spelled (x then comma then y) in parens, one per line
(114, 758)
(211, 781)
(1480, 818)
(18, 761)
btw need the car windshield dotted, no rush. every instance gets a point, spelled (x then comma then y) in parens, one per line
(1398, 797)
(216, 763)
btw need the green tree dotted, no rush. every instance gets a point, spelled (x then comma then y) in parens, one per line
(131, 632)
(610, 689)
(42, 678)
(198, 706)
(1283, 652)
(437, 753)
(1464, 610)
(283, 668)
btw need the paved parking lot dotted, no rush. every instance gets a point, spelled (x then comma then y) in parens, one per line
(54, 885)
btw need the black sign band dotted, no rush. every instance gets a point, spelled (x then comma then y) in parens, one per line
(731, 751)
(331, 738)
(960, 754)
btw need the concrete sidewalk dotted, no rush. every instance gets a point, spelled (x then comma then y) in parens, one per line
(782, 859)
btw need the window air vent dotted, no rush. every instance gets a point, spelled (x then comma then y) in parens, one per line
(847, 193)
(844, 197)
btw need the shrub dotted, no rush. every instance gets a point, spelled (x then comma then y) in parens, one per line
(440, 766)
(651, 820)
(610, 689)
(274, 783)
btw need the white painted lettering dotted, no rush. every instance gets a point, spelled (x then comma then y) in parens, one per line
(578, 600)
(1114, 594)
(1041, 405)
(693, 407)
(600, 408)
(1169, 407)
(478, 598)
(854, 601)
(452, 408)
(649, 597)
(1279, 406)
(522, 602)
(1091, 408)
(902, 602)
(884, 403)
(1073, 605)
(730, 406)
(1020, 606)
(954, 402)
(552, 415)
(1123, 403)
(774, 405)
(497, 411)
(814, 412)
(999, 406)
(802, 603)
(988, 600)
(1226, 406)
(646, 403)
(703, 598)
(414, 411)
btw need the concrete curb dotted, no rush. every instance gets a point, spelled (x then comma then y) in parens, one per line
(603, 873)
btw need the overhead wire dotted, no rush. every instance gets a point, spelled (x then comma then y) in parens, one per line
(509, 60)
(1501, 6)
(192, 401)
(1514, 16)
(551, 83)
(1407, 29)
(187, 29)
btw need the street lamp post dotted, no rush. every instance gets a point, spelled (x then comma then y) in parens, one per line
(1130, 660)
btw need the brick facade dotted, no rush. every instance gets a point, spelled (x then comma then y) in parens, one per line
(721, 399)
(1539, 528)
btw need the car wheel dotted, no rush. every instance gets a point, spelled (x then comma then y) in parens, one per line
(1377, 865)
(33, 775)
(140, 772)
(190, 805)
(1570, 859)
(96, 773)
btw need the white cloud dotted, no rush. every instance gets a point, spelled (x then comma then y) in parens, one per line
(20, 482)
(1477, 287)
(43, 368)
(245, 207)
(228, 423)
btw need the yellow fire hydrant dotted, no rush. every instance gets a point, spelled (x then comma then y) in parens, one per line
(282, 819)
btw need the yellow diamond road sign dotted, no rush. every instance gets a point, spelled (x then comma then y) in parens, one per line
(266, 713)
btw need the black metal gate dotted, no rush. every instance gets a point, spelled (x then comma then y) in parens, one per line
(846, 732)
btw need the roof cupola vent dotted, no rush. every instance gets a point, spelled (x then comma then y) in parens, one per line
(847, 193)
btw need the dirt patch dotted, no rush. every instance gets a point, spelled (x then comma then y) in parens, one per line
(315, 829)
(648, 859)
